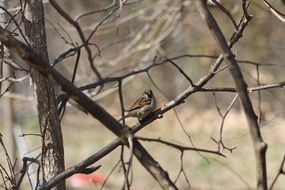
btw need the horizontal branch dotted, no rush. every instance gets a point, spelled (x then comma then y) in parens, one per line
(11, 79)
(166, 61)
(179, 147)
(249, 89)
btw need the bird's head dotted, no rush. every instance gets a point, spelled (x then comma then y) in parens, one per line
(148, 93)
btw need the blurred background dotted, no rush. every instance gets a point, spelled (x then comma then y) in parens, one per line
(133, 38)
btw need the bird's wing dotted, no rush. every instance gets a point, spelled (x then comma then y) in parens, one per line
(139, 103)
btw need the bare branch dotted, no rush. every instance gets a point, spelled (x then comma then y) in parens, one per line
(223, 116)
(280, 172)
(181, 71)
(276, 13)
(24, 169)
(179, 147)
(259, 146)
(80, 32)
(226, 12)
(82, 165)
(35, 61)
(11, 79)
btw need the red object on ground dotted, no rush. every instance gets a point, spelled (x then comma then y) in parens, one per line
(80, 180)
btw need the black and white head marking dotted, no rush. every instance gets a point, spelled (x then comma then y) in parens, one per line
(148, 93)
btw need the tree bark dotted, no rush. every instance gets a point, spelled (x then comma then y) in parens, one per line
(52, 144)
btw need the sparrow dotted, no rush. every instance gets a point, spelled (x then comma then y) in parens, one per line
(142, 107)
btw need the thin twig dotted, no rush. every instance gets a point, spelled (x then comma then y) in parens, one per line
(109, 175)
(223, 116)
(65, 15)
(24, 169)
(224, 10)
(179, 147)
(180, 70)
(280, 172)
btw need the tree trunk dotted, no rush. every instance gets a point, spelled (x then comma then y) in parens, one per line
(52, 143)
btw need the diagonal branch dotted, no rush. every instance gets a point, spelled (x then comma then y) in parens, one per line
(276, 13)
(280, 172)
(82, 165)
(37, 62)
(241, 87)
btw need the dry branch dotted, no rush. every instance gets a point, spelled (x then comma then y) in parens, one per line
(241, 87)
(38, 63)
(280, 172)
(76, 25)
